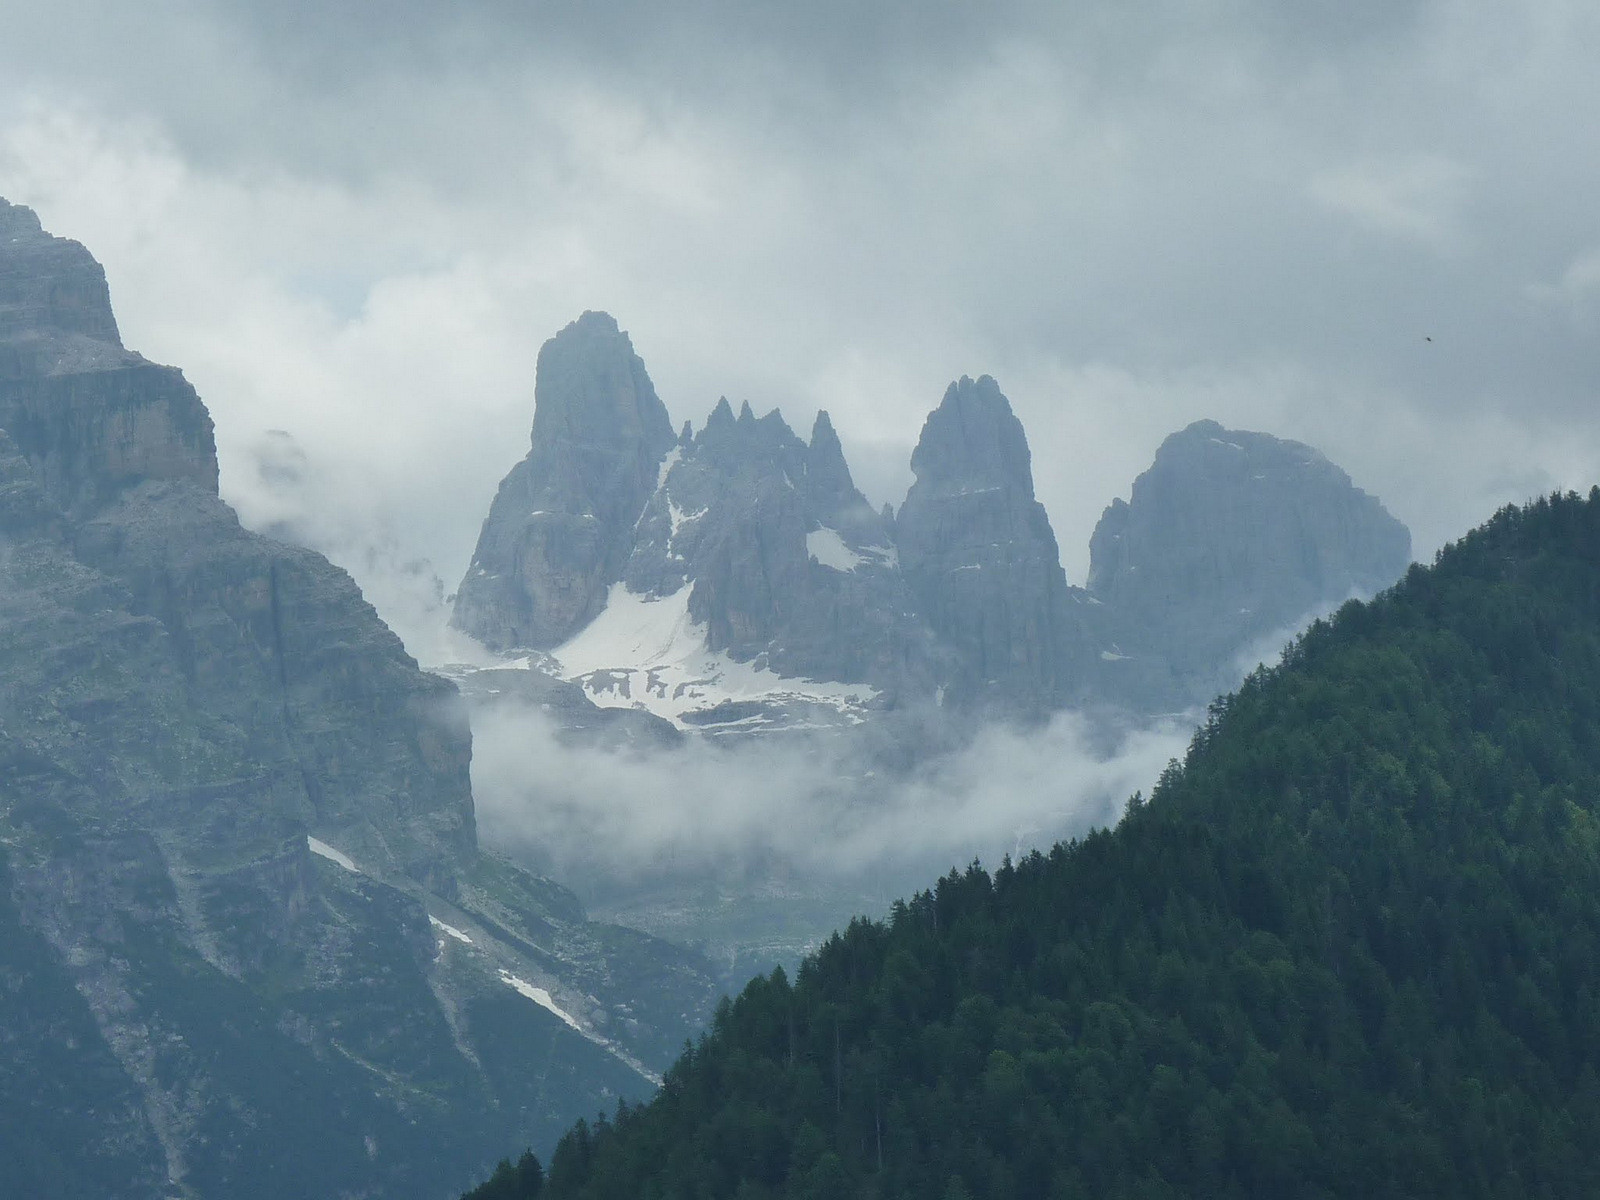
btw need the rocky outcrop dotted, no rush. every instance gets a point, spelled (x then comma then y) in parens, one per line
(981, 559)
(733, 578)
(241, 900)
(560, 529)
(1230, 540)
(752, 565)
(788, 563)
(91, 417)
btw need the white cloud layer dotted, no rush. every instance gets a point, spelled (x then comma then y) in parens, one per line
(610, 823)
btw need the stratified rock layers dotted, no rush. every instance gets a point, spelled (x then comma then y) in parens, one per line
(196, 1003)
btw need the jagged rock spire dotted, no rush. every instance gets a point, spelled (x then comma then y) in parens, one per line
(560, 529)
(827, 473)
(980, 556)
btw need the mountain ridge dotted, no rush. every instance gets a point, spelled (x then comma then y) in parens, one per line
(958, 598)
(237, 835)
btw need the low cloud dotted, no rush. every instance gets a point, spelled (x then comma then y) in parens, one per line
(610, 823)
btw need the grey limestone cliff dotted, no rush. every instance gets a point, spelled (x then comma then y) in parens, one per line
(981, 559)
(787, 562)
(1229, 539)
(741, 550)
(235, 824)
(560, 529)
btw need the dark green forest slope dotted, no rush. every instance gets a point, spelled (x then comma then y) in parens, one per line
(1349, 947)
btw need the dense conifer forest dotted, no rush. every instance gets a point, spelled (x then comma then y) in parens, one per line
(1350, 947)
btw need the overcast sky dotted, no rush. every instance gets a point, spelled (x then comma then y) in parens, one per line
(359, 227)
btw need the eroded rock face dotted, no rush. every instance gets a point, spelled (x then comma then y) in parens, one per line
(1228, 539)
(980, 556)
(788, 562)
(714, 577)
(232, 811)
(50, 288)
(561, 527)
(90, 416)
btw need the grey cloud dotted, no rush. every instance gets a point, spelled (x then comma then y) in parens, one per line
(1133, 216)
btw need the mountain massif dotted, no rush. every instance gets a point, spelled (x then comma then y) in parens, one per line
(250, 944)
(1345, 948)
(735, 579)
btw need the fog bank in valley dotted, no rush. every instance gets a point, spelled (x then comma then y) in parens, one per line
(814, 812)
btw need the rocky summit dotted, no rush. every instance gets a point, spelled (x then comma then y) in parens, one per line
(1228, 542)
(735, 579)
(981, 559)
(250, 946)
(560, 528)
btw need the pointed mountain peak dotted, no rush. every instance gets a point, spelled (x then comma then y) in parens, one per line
(826, 469)
(822, 434)
(686, 435)
(18, 220)
(592, 388)
(745, 413)
(979, 553)
(721, 415)
(973, 439)
(561, 526)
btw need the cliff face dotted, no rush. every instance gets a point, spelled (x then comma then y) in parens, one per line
(786, 560)
(560, 528)
(1229, 538)
(91, 417)
(235, 822)
(730, 579)
(737, 578)
(981, 559)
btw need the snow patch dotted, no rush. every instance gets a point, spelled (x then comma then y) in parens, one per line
(681, 518)
(449, 929)
(828, 548)
(647, 652)
(540, 997)
(667, 463)
(332, 855)
(887, 556)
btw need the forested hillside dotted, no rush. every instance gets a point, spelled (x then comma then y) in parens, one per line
(1350, 947)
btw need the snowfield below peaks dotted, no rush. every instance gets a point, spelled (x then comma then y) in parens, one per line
(647, 652)
(827, 547)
